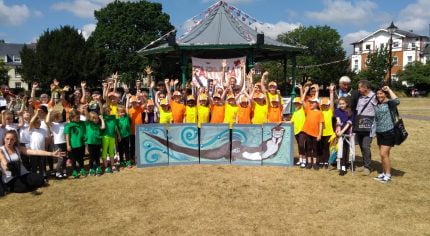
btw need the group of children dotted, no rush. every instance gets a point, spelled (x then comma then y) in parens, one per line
(101, 124)
(316, 122)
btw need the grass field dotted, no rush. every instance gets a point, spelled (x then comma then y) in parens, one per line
(236, 200)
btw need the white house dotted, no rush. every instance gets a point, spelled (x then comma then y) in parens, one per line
(10, 54)
(407, 47)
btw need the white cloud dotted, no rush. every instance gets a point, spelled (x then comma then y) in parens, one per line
(81, 8)
(352, 37)
(415, 16)
(273, 30)
(87, 30)
(14, 14)
(345, 12)
(37, 13)
(33, 40)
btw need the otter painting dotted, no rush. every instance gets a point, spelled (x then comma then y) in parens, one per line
(268, 149)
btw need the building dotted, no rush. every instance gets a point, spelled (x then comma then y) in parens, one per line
(10, 54)
(407, 47)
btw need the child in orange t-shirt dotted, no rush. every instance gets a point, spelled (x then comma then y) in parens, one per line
(313, 130)
(217, 108)
(274, 114)
(178, 107)
(244, 109)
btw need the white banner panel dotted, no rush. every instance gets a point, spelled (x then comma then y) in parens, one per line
(211, 69)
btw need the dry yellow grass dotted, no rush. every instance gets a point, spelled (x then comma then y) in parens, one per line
(234, 200)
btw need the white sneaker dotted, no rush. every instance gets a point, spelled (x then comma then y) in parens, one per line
(385, 180)
(379, 177)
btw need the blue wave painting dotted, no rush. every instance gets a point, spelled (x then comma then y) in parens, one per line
(245, 138)
(151, 151)
(215, 143)
(183, 144)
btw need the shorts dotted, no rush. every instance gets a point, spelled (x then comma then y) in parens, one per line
(387, 138)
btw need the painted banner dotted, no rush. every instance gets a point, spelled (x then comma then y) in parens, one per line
(246, 140)
(277, 144)
(183, 144)
(151, 145)
(211, 69)
(215, 144)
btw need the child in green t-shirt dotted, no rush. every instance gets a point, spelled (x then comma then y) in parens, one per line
(94, 126)
(108, 139)
(124, 129)
(75, 137)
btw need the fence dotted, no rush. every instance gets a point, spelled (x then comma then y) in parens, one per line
(176, 144)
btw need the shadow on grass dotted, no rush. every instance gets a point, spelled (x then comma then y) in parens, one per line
(376, 165)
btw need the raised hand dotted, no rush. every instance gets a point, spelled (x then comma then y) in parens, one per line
(83, 84)
(224, 63)
(148, 70)
(166, 81)
(56, 82)
(176, 82)
(35, 85)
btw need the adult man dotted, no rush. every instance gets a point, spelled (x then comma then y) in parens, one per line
(345, 90)
(365, 107)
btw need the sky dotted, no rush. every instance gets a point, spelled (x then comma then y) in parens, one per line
(23, 21)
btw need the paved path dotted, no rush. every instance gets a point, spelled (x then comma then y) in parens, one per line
(416, 117)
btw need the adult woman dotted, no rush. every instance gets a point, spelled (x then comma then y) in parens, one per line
(14, 175)
(384, 113)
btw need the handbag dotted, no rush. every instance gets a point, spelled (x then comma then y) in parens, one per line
(400, 133)
(363, 124)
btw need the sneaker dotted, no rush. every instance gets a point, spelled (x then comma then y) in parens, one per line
(316, 166)
(108, 170)
(379, 177)
(303, 165)
(92, 172)
(75, 174)
(326, 165)
(99, 171)
(65, 175)
(308, 166)
(342, 172)
(385, 180)
(83, 173)
(128, 164)
(58, 175)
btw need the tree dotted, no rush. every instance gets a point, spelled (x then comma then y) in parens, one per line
(377, 64)
(324, 45)
(60, 54)
(122, 29)
(4, 77)
(417, 74)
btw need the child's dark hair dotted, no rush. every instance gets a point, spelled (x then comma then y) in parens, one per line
(348, 109)
(387, 94)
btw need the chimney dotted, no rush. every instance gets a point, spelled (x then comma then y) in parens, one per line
(411, 31)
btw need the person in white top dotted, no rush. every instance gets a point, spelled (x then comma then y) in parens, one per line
(14, 174)
(38, 137)
(55, 121)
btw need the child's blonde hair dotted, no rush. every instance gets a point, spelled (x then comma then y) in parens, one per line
(92, 115)
(121, 108)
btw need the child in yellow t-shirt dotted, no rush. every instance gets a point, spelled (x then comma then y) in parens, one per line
(327, 108)
(165, 110)
(260, 106)
(203, 110)
(230, 110)
(190, 110)
(298, 120)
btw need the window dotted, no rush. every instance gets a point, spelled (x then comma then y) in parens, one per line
(367, 46)
(381, 45)
(356, 65)
(17, 75)
(394, 78)
(17, 59)
(413, 46)
(395, 61)
(409, 59)
(395, 44)
(18, 85)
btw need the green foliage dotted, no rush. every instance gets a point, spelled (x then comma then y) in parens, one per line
(324, 45)
(122, 29)
(376, 67)
(4, 77)
(60, 54)
(417, 74)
